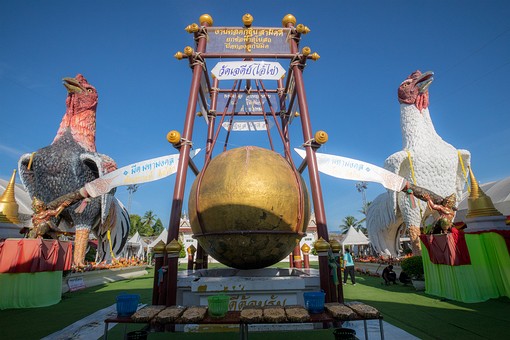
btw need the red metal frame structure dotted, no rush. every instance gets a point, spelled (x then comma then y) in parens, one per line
(294, 87)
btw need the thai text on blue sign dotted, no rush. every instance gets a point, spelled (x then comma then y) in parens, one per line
(265, 70)
(248, 40)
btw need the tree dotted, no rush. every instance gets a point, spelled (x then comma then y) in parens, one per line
(158, 227)
(135, 224)
(147, 225)
(148, 220)
(348, 221)
(363, 210)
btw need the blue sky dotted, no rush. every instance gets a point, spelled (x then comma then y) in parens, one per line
(125, 49)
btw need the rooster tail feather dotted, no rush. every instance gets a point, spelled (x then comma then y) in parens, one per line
(117, 222)
(383, 223)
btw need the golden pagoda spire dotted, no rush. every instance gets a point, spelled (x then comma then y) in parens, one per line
(479, 204)
(8, 205)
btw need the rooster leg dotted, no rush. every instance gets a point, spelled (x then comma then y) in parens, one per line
(414, 235)
(80, 245)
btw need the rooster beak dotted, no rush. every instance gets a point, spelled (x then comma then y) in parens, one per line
(424, 81)
(72, 85)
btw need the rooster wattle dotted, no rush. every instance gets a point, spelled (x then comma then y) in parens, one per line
(66, 165)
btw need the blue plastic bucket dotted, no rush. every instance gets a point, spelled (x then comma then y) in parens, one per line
(127, 304)
(314, 301)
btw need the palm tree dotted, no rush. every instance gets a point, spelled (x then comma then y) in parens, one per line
(348, 222)
(149, 218)
(147, 221)
(364, 212)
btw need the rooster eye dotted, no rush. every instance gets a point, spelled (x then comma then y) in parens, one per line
(90, 90)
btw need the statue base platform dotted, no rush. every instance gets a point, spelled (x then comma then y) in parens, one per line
(258, 287)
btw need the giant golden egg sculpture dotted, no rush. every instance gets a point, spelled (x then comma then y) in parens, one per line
(248, 208)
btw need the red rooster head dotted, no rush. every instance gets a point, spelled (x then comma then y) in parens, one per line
(414, 90)
(80, 116)
(81, 95)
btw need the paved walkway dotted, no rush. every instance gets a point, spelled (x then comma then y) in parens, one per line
(91, 327)
(390, 331)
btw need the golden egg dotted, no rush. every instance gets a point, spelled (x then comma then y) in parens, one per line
(248, 207)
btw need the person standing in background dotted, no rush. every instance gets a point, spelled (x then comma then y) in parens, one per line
(348, 264)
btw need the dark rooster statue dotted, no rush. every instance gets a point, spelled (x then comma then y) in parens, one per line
(64, 167)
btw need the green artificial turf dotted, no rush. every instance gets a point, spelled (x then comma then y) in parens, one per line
(35, 323)
(424, 316)
(430, 317)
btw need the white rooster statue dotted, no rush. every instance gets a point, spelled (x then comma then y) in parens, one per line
(426, 160)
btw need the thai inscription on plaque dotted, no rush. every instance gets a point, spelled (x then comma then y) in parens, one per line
(248, 40)
(245, 104)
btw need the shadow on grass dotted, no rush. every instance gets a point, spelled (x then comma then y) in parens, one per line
(430, 317)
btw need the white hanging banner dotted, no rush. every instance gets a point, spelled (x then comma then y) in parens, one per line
(353, 169)
(234, 70)
(136, 173)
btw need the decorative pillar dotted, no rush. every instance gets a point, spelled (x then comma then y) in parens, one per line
(306, 255)
(187, 135)
(335, 248)
(191, 256)
(173, 250)
(158, 255)
(298, 263)
(289, 21)
(322, 247)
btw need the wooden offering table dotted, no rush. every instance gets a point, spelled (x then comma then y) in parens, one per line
(234, 318)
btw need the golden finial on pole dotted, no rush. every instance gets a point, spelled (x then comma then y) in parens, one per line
(302, 29)
(159, 248)
(305, 248)
(336, 246)
(289, 19)
(179, 55)
(321, 245)
(315, 56)
(173, 137)
(206, 19)
(188, 51)
(321, 137)
(247, 20)
(191, 250)
(306, 51)
(8, 205)
(193, 28)
(174, 247)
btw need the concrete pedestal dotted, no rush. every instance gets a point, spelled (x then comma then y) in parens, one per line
(259, 287)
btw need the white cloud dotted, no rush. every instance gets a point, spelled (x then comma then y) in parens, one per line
(11, 152)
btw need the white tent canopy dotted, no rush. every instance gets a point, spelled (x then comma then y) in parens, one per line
(162, 237)
(352, 237)
(135, 246)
